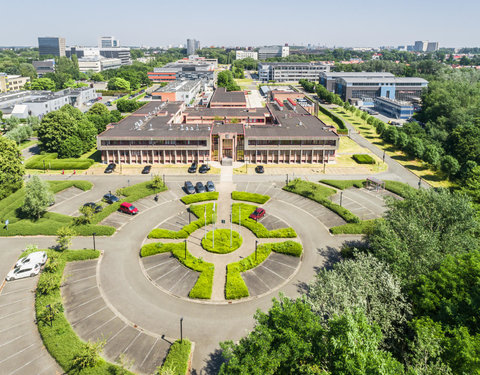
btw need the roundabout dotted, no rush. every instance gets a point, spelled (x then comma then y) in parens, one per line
(222, 241)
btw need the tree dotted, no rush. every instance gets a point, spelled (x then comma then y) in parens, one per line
(99, 115)
(126, 105)
(402, 140)
(449, 165)
(20, 133)
(415, 148)
(471, 184)
(11, 167)
(42, 84)
(64, 237)
(225, 79)
(27, 70)
(390, 134)
(88, 356)
(419, 231)
(364, 283)
(118, 83)
(97, 77)
(37, 198)
(432, 155)
(464, 143)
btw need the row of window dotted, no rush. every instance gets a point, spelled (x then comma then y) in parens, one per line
(156, 142)
(306, 142)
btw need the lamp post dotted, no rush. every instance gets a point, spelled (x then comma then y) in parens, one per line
(419, 182)
(287, 178)
(181, 329)
(213, 222)
(44, 166)
(384, 156)
(341, 196)
(93, 234)
(256, 243)
(205, 222)
(185, 242)
(230, 231)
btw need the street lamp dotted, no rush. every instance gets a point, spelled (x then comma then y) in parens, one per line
(185, 242)
(256, 243)
(341, 196)
(384, 156)
(93, 234)
(419, 182)
(181, 329)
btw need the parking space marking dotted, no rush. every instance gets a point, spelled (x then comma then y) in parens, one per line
(84, 278)
(26, 364)
(101, 325)
(264, 266)
(116, 334)
(144, 359)
(283, 264)
(11, 327)
(14, 313)
(15, 291)
(12, 303)
(255, 275)
(17, 353)
(81, 269)
(16, 338)
(131, 342)
(180, 279)
(82, 304)
(165, 274)
(161, 264)
(88, 316)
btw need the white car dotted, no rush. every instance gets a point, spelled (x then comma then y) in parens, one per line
(38, 257)
(28, 270)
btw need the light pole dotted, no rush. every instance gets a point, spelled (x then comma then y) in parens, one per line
(256, 243)
(185, 242)
(287, 178)
(384, 156)
(213, 222)
(341, 196)
(205, 222)
(230, 231)
(181, 329)
(419, 182)
(93, 234)
(44, 166)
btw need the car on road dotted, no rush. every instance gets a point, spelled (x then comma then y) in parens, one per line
(259, 169)
(147, 169)
(96, 207)
(193, 167)
(257, 214)
(110, 198)
(204, 168)
(110, 168)
(199, 187)
(128, 208)
(109, 103)
(28, 270)
(189, 188)
(209, 186)
(38, 257)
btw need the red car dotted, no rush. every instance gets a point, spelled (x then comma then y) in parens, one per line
(128, 208)
(257, 214)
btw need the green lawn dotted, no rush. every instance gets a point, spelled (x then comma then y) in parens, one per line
(344, 184)
(250, 197)
(25, 144)
(218, 241)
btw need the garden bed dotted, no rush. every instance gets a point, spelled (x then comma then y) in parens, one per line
(250, 197)
(195, 198)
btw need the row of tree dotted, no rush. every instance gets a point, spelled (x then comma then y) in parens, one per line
(225, 79)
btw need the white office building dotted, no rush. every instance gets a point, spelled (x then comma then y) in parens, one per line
(273, 51)
(98, 64)
(108, 42)
(291, 71)
(239, 55)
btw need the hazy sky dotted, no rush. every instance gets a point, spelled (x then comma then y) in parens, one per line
(243, 22)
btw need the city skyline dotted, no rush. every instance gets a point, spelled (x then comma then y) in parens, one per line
(370, 24)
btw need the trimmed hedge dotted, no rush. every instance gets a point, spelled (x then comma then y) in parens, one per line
(342, 128)
(52, 163)
(199, 212)
(320, 195)
(249, 197)
(292, 248)
(159, 248)
(363, 159)
(60, 339)
(176, 362)
(257, 228)
(399, 188)
(364, 227)
(344, 184)
(222, 241)
(195, 198)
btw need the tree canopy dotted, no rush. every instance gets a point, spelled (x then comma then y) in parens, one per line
(11, 167)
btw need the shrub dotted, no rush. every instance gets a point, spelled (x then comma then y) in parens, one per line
(363, 159)
(176, 362)
(249, 197)
(400, 188)
(64, 237)
(342, 128)
(52, 163)
(194, 198)
(158, 248)
(344, 184)
(292, 248)
(48, 283)
(364, 227)
(222, 241)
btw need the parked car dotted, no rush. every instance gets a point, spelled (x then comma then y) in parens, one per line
(38, 257)
(109, 103)
(96, 207)
(204, 168)
(110, 198)
(259, 169)
(128, 208)
(199, 187)
(28, 270)
(257, 214)
(110, 168)
(189, 188)
(147, 169)
(193, 167)
(210, 186)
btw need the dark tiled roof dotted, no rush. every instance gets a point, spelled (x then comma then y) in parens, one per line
(221, 95)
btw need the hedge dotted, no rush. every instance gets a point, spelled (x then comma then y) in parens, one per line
(344, 184)
(257, 228)
(320, 195)
(363, 159)
(194, 198)
(342, 128)
(222, 241)
(399, 188)
(52, 163)
(249, 197)
(176, 362)
(235, 286)
(112, 92)
(199, 212)
(159, 248)
(364, 227)
(60, 339)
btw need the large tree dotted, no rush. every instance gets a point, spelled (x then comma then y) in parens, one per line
(37, 198)
(118, 83)
(42, 84)
(11, 167)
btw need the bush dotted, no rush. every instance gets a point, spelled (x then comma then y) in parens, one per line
(399, 188)
(342, 128)
(127, 105)
(249, 197)
(363, 159)
(344, 184)
(222, 241)
(52, 163)
(158, 248)
(292, 248)
(364, 227)
(48, 283)
(194, 198)
(176, 362)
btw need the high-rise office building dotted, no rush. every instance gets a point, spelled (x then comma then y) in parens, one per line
(108, 42)
(420, 45)
(192, 46)
(51, 46)
(432, 46)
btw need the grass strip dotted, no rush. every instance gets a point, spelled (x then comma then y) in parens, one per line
(363, 227)
(249, 197)
(240, 215)
(51, 162)
(400, 188)
(320, 195)
(176, 362)
(344, 184)
(195, 198)
(59, 338)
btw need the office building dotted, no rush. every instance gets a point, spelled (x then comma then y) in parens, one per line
(122, 53)
(228, 99)
(169, 133)
(192, 46)
(12, 82)
(432, 46)
(239, 55)
(108, 42)
(44, 67)
(394, 108)
(51, 46)
(184, 69)
(273, 51)
(329, 79)
(420, 46)
(290, 71)
(179, 91)
(98, 63)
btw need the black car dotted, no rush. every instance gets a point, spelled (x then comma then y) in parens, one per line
(189, 188)
(204, 168)
(110, 198)
(259, 169)
(96, 207)
(110, 168)
(199, 187)
(210, 186)
(147, 169)
(193, 167)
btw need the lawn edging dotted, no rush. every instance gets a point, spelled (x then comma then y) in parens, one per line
(201, 197)
(250, 197)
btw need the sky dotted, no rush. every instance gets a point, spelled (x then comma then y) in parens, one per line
(358, 23)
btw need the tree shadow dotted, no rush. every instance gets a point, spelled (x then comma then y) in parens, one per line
(415, 167)
(96, 156)
(214, 362)
(331, 256)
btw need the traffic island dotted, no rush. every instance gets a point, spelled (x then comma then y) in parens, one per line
(222, 241)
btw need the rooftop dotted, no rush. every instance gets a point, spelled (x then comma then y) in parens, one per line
(356, 74)
(374, 80)
(221, 95)
(177, 85)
